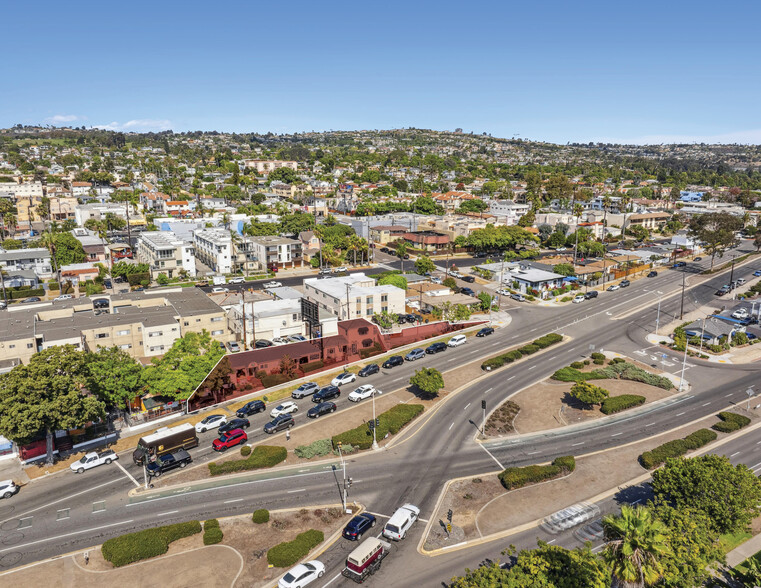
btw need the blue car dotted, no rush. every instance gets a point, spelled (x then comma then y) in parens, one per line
(757, 273)
(357, 527)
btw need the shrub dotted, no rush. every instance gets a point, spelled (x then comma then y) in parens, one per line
(315, 449)
(654, 458)
(528, 349)
(133, 547)
(311, 366)
(212, 534)
(547, 340)
(391, 421)
(726, 427)
(588, 393)
(513, 478)
(245, 451)
(286, 554)
(514, 355)
(262, 456)
(566, 299)
(577, 365)
(210, 523)
(275, 380)
(616, 360)
(730, 421)
(569, 374)
(598, 361)
(597, 355)
(622, 402)
(260, 516)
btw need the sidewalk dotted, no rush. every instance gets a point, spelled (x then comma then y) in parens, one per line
(744, 551)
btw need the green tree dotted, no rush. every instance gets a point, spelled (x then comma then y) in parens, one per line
(258, 229)
(46, 395)
(564, 269)
(385, 320)
(556, 240)
(475, 205)
(716, 230)
(485, 300)
(283, 174)
(461, 312)
(527, 220)
(730, 496)
(162, 279)
(296, 223)
(423, 265)
(67, 249)
(427, 205)
(113, 376)
(401, 251)
(12, 244)
(588, 393)
(450, 283)
(428, 380)
(394, 280)
(637, 542)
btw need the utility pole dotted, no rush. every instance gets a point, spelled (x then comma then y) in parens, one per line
(343, 465)
(681, 308)
(658, 316)
(375, 422)
(732, 272)
(243, 309)
(684, 365)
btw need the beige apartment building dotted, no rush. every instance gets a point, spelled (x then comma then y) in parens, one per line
(166, 253)
(264, 166)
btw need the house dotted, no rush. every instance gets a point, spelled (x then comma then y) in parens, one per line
(529, 278)
(36, 259)
(178, 207)
(688, 196)
(79, 273)
(310, 244)
(80, 189)
(264, 166)
(712, 330)
(426, 240)
(452, 200)
(429, 301)
(93, 245)
(652, 221)
(354, 296)
(214, 248)
(385, 234)
(266, 319)
(17, 278)
(509, 210)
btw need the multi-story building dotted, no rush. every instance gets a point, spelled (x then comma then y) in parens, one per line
(166, 253)
(272, 251)
(267, 319)
(509, 210)
(36, 259)
(214, 248)
(81, 189)
(385, 234)
(264, 166)
(98, 211)
(354, 296)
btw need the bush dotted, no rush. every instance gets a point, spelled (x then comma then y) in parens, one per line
(262, 456)
(314, 365)
(566, 299)
(577, 365)
(286, 554)
(597, 355)
(616, 404)
(316, 449)
(654, 458)
(516, 354)
(391, 421)
(528, 349)
(730, 421)
(569, 374)
(588, 394)
(245, 451)
(598, 361)
(513, 478)
(726, 427)
(212, 534)
(260, 516)
(133, 547)
(275, 380)
(547, 340)
(53, 286)
(210, 523)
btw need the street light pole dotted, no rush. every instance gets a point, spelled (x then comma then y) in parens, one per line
(681, 308)
(343, 465)
(375, 441)
(684, 365)
(658, 316)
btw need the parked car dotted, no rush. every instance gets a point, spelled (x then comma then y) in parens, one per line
(436, 280)
(652, 274)
(358, 526)
(237, 280)
(467, 291)
(251, 408)
(393, 361)
(741, 313)
(344, 378)
(262, 343)
(591, 294)
(624, 283)
(321, 409)
(368, 370)
(437, 347)
(365, 391)
(485, 332)
(723, 290)
(469, 279)
(219, 290)
(417, 353)
(326, 393)
(273, 284)
(280, 341)
(613, 287)
(108, 284)
(232, 424)
(518, 297)
(92, 460)
(740, 281)
(279, 423)
(286, 407)
(306, 389)
(504, 292)
(63, 297)
(229, 439)
(338, 270)
(31, 299)
(578, 299)
(211, 422)
(302, 575)
(757, 273)
(233, 347)
(169, 461)
(457, 340)
(296, 338)
(8, 488)
(698, 259)
(400, 522)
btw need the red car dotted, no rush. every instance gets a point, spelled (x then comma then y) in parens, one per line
(229, 439)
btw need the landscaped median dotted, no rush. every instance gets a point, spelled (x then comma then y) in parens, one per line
(262, 456)
(133, 547)
(516, 354)
(391, 421)
(514, 478)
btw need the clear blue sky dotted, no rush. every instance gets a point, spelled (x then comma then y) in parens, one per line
(556, 71)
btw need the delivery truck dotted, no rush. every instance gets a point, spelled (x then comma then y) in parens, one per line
(165, 440)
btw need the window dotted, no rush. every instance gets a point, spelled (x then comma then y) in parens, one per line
(369, 311)
(126, 346)
(369, 299)
(30, 345)
(216, 319)
(156, 334)
(217, 332)
(384, 298)
(124, 332)
(101, 335)
(186, 323)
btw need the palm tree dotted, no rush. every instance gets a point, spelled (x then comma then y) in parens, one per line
(401, 251)
(637, 541)
(578, 209)
(625, 200)
(606, 202)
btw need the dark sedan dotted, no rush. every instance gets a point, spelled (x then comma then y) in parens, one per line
(358, 526)
(485, 331)
(368, 370)
(262, 343)
(239, 423)
(393, 361)
(279, 423)
(436, 348)
(31, 299)
(467, 291)
(321, 409)
(251, 408)
(326, 393)
(652, 274)
(624, 283)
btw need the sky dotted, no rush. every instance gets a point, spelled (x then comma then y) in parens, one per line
(614, 71)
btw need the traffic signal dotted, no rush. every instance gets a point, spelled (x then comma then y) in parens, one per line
(371, 424)
(377, 422)
(449, 515)
(483, 405)
(449, 527)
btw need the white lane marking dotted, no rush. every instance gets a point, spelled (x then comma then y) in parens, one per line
(706, 404)
(532, 452)
(580, 443)
(490, 455)
(735, 453)
(66, 535)
(532, 367)
(466, 406)
(234, 500)
(649, 424)
(163, 514)
(510, 378)
(616, 434)
(294, 491)
(551, 358)
(728, 395)
(532, 330)
(333, 579)
(680, 414)
(450, 427)
(489, 390)
(553, 541)
(126, 473)
(755, 466)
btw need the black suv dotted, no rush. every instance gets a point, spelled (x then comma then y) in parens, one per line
(436, 348)
(251, 408)
(467, 291)
(326, 393)
(485, 331)
(368, 370)
(279, 423)
(239, 423)
(624, 283)
(469, 279)
(393, 361)
(652, 274)
(169, 461)
(591, 294)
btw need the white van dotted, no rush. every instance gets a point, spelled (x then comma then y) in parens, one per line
(456, 341)
(400, 522)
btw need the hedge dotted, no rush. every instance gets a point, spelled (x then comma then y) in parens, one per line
(263, 456)
(730, 421)
(616, 370)
(597, 355)
(133, 547)
(275, 380)
(514, 355)
(212, 534)
(316, 449)
(314, 365)
(513, 478)
(245, 450)
(622, 402)
(260, 516)
(391, 421)
(654, 458)
(19, 294)
(286, 554)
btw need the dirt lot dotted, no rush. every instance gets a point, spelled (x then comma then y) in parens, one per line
(240, 560)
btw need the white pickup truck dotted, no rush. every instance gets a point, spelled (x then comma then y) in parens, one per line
(92, 460)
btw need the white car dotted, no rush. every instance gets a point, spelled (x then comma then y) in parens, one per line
(296, 338)
(63, 297)
(344, 378)
(578, 299)
(740, 313)
(503, 292)
(457, 340)
(280, 341)
(92, 460)
(238, 280)
(436, 280)
(302, 575)
(613, 288)
(340, 269)
(219, 290)
(212, 421)
(273, 284)
(363, 392)
(284, 408)
(7, 488)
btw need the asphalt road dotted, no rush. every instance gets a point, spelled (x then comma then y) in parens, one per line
(71, 512)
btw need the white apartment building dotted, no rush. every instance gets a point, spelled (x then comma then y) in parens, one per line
(266, 166)
(267, 319)
(273, 250)
(508, 210)
(214, 248)
(36, 259)
(98, 211)
(354, 296)
(166, 253)
(23, 190)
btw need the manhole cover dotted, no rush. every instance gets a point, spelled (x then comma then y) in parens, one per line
(12, 538)
(9, 560)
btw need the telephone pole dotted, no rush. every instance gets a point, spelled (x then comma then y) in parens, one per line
(681, 308)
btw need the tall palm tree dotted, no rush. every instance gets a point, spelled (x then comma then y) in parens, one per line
(637, 541)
